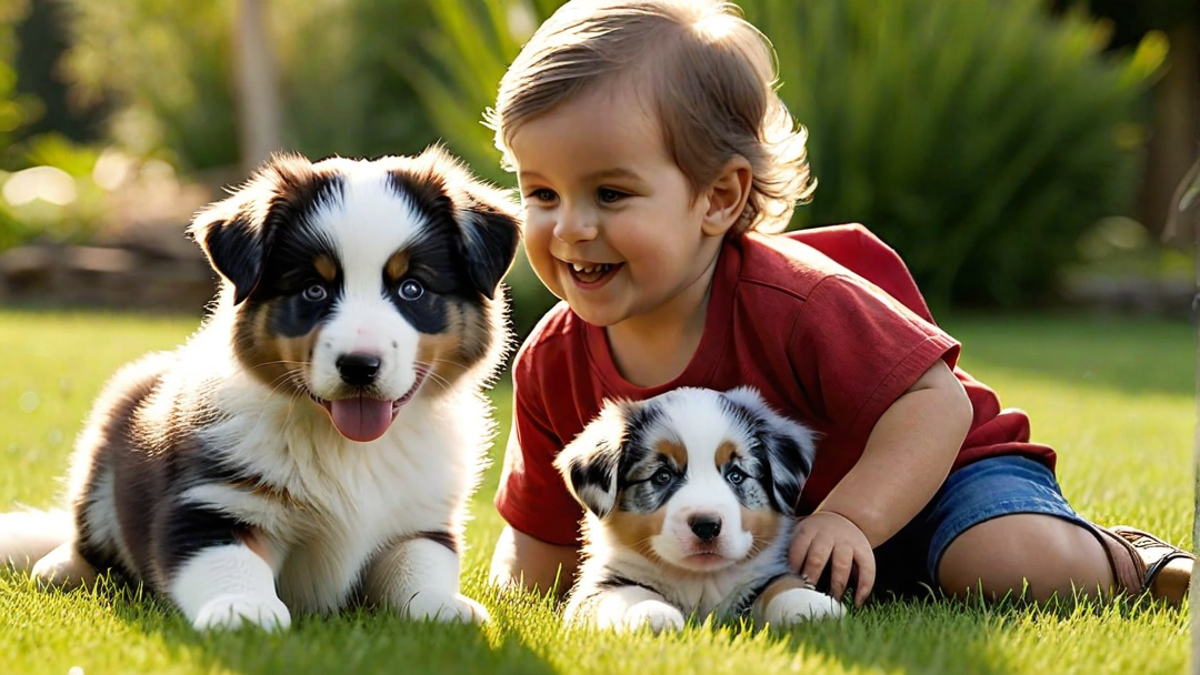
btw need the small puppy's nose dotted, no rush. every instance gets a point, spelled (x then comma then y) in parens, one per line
(705, 527)
(358, 370)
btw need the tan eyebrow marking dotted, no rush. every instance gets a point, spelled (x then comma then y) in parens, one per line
(325, 266)
(676, 451)
(397, 265)
(727, 451)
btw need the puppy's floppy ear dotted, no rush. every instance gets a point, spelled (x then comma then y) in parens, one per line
(789, 447)
(589, 464)
(233, 243)
(234, 232)
(487, 219)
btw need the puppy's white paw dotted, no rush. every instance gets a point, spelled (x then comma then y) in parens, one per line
(64, 568)
(802, 604)
(233, 611)
(656, 614)
(442, 606)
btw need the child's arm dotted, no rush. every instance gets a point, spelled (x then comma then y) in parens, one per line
(532, 563)
(906, 459)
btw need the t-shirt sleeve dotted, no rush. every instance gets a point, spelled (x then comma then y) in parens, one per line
(532, 497)
(856, 349)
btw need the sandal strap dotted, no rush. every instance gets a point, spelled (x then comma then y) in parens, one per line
(1129, 572)
(1153, 570)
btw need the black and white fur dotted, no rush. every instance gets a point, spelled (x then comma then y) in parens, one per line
(689, 500)
(315, 443)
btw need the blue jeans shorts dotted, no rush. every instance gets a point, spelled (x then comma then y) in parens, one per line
(989, 488)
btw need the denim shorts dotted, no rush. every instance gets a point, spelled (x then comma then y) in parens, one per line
(989, 488)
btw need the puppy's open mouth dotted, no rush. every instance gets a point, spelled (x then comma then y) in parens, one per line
(363, 419)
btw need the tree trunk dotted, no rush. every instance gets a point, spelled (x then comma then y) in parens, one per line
(259, 120)
(1175, 143)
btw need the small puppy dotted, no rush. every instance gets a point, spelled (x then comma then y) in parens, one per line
(315, 443)
(690, 501)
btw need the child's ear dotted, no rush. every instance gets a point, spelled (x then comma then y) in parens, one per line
(590, 462)
(789, 447)
(727, 197)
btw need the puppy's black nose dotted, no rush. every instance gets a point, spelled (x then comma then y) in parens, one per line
(705, 527)
(358, 370)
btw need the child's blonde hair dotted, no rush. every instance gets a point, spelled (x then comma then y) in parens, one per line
(711, 75)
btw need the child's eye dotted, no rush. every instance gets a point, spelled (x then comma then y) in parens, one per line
(543, 195)
(608, 195)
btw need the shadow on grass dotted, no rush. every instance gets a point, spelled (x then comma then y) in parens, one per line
(354, 641)
(936, 634)
(1131, 354)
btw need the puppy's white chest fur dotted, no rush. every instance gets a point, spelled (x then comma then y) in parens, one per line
(324, 505)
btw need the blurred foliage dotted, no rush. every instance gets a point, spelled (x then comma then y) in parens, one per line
(982, 137)
(55, 196)
(167, 66)
(17, 110)
(46, 199)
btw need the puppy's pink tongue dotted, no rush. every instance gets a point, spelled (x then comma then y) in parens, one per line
(361, 419)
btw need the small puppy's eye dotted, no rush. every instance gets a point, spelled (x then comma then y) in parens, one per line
(735, 476)
(410, 289)
(661, 477)
(315, 293)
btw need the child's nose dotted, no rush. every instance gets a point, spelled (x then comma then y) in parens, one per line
(573, 226)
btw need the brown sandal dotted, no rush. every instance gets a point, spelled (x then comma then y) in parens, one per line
(1143, 562)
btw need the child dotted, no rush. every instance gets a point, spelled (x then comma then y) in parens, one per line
(655, 160)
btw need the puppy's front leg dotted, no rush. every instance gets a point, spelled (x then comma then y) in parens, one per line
(790, 599)
(629, 608)
(224, 586)
(418, 576)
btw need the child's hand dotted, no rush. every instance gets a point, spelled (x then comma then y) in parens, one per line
(828, 538)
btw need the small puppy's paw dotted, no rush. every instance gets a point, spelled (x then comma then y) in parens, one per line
(234, 611)
(656, 614)
(64, 568)
(802, 604)
(441, 606)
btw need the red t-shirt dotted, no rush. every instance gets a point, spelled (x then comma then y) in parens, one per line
(826, 322)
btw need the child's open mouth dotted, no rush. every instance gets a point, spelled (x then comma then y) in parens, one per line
(592, 274)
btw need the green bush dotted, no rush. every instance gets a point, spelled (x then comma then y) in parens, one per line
(981, 139)
(169, 65)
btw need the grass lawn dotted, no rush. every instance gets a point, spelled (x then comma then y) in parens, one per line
(1115, 397)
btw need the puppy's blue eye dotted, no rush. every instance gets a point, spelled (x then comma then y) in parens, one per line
(410, 289)
(661, 477)
(315, 293)
(735, 476)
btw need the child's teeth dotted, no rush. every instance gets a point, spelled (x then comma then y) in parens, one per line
(589, 269)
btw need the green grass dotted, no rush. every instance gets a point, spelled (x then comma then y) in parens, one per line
(1114, 396)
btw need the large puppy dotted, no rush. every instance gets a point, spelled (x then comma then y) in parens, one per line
(689, 498)
(315, 442)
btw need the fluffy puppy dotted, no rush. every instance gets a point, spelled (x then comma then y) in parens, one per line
(314, 444)
(689, 500)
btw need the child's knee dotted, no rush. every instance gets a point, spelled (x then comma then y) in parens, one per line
(1039, 555)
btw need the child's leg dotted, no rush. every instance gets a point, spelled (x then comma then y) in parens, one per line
(1002, 522)
(998, 556)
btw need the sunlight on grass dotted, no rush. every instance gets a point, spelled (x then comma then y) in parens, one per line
(1114, 397)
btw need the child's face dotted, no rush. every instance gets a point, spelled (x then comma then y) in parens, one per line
(611, 223)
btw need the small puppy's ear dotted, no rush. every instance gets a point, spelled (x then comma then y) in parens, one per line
(789, 447)
(487, 219)
(234, 232)
(590, 462)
